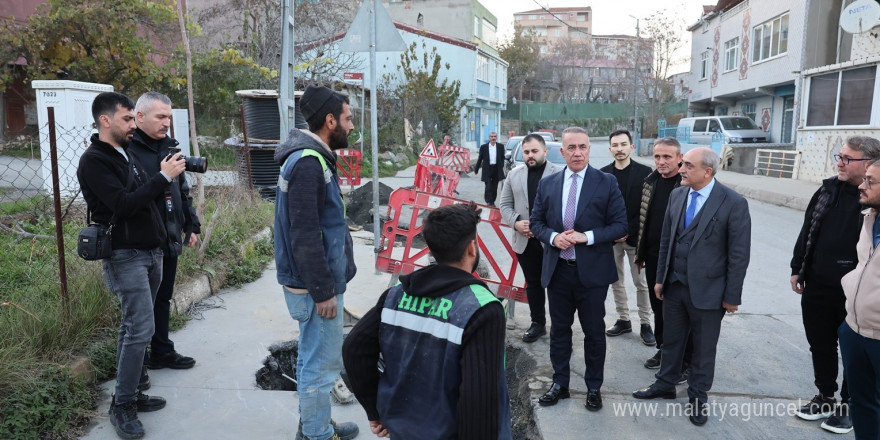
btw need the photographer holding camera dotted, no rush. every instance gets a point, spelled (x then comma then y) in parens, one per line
(118, 190)
(151, 145)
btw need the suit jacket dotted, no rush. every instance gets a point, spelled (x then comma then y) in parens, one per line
(514, 202)
(719, 253)
(487, 169)
(600, 209)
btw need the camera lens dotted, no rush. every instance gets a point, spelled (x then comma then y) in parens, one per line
(196, 164)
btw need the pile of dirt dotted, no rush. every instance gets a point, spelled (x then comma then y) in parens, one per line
(359, 203)
(522, 414)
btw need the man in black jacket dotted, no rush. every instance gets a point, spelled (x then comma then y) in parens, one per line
(826, 251)
(120, 193)
(490, 160)
(630, 175)
(150, 145)
(441, 336)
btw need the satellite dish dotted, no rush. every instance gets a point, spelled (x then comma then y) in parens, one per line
(860, 16)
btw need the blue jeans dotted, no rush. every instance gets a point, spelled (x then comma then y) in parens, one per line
(134, 276)
(861, 368)
(318, 363)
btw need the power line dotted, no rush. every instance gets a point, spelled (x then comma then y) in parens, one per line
(570, 27)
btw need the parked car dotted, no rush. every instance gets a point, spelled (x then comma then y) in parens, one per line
(554, 154)
(736, 129)
(547, 135)
(511, 144)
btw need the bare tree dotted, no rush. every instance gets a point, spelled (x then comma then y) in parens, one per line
(254, 27)
(664, 38)
(568, 60)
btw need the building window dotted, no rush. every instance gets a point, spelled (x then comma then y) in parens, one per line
(482, 68)
(842, 98)
(557, 32)
(519, 18)
(477, 27)
(770, 39)
(748, 110)
(543, 49)
(731, 54)
(531, 16)
(582, 17)
(704, 64)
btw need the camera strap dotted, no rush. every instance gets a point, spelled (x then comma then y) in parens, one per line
(113, 216)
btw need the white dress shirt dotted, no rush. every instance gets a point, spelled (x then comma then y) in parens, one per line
(566, 187)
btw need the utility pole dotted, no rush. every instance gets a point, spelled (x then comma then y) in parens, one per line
(636, 86)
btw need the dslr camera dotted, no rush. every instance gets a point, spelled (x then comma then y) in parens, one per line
(193, 164)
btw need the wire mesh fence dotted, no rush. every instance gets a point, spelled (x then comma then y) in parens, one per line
(26, 170)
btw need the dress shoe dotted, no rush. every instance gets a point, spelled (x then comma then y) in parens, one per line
(653, 362)
(696, 411)
(647, 335)
(553, 395)
(147, 403)
(172, 360)
(534, 332)
(654, 392)
(594, 400)
(620, 327)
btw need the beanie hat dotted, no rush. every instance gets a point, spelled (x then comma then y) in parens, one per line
(316, 102)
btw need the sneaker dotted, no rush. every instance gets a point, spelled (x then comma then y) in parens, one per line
(147, 403)
(620, 327)
(819, 407)
(839, 422)
(172, 360)
(341, 392)
(144, 383)
(341, 431)
(124, 419)
(653, 363)
(684, 376)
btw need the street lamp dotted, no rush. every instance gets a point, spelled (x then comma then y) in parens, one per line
(636, 85)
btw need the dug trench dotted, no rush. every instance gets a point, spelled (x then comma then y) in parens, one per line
(279, 373)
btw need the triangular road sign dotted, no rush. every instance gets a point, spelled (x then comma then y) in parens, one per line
(357, 39)
(429, 151)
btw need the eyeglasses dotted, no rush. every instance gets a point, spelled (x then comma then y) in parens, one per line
(847, 160)
(868, 183)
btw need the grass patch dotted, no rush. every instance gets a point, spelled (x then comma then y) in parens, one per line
(28, 148)
(40, 334)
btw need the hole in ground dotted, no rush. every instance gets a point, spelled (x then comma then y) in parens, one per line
(282, 357)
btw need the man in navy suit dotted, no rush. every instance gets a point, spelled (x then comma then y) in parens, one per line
(704, 252)
(491, 161)
(578, 214)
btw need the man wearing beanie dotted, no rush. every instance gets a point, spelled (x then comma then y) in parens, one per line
(313, 254)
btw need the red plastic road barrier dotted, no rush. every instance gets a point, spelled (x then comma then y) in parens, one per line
(349, 167)
(435, 179)
(454, 157)
(403, 223)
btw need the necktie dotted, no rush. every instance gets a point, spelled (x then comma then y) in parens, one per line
(692, 209)
(876, 231)
(568, 218)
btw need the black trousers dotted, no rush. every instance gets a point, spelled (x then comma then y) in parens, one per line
(657, 307)
(684, 320)
(161, 343)
(530, 262)
(567, 295)
(491, 192)
(823, 309)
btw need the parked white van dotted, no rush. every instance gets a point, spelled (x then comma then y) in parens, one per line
(736, 129)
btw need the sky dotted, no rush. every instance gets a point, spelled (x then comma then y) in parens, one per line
(609, 17)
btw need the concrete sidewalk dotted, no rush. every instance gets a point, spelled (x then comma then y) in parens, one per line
(761, 372)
